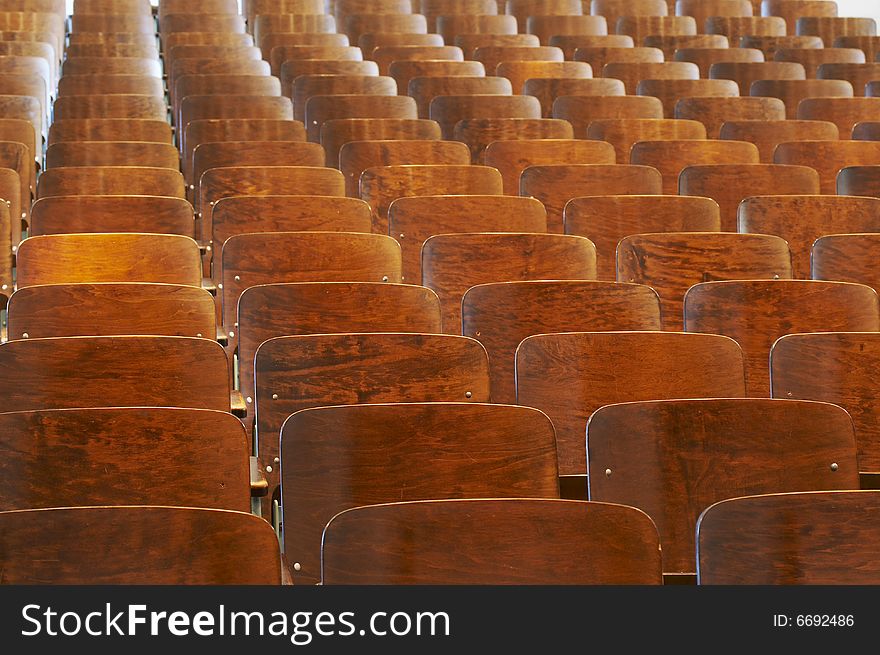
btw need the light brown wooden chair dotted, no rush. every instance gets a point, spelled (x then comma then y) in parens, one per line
(491, 56)
(704, 58)
(580, 111)
(640, 26)
(112, 153)
(424, 89)
(522, 9)
(828, 158)
(737, 27)
(623, 133)
(867, 44)
(830, 28)
(744, 73)
(404, 71)
(672, 156)
(859, 75)
(547, 26)
(449, 110)
(336, 133)
(478, 133)
(713, 112)
(669, 43)
(598, 56)
(703, 10)
(386, 55)
(518, 72)
(79, 85)
(791, 11)
(770, 44)
(766, 135)
(669, 92)
(843, 112)
(111, 106)
(110, 181)
(452, 27)
(546, 90)
(320, 109)
(791, 92)
(83, 214)
(812, 58)
(306, 87)
(569, 43)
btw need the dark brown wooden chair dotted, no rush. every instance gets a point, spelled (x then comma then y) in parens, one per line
(801, 220)
(713, 112)
(112, 153)
(859, 75)
(597, 56)
(729, 184)
(336, 133)
(672, 262)
(320, 109)
(569, 376)
(703, 10)
(479, 133)
(846, 257)
(424, 89)
(404, 71)
(286, 23)
(110, 181)
(792, 10)
(631, 73)
(382, 185)
(828, 158)
(142, 23)
(24, 108)
(111, 106)
(767, 135)
(449, 110)
(641, 26)
(605, 220)
(547, 90)
(830, 28)
(859, 181)
(704, 58)
(569, 43)
(752, 540)
(836, 368)
(669, 43)
(843, 112)
(297, 372)
(384, 56)
(432, 10)
(518, 72)
(791, 92)
(867, 130)
(624, 133)
(669, 92)
(307, 86)
(813, 58)
(867, 44)
(756, 313)
(497, 452)
(81, 214)
(79, 85)
(453, 263)
(545, 27)
(770, 44)
(485, 542)
(580, 111)
(93, 545)
(109, 129)
(186, 67)
(745, 73)
(283, 53)
(22, 131)
(193, 108)
(205, 85)
(737, 27)
(670, 157)
(555, 185)
(470, 32)
(674, 458)
(523, 9)
(501, 315)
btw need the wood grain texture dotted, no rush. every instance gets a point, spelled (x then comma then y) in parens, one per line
(745, 73)
(494, 542)
(671, 156)
(124, 456)
(867, 130)
(522, 9)
(276, 310)
(801, 220)
(384, 56)
(829, 28)
(79, 85)
(265, 258)
(836, 368)
(756, 313)
(520, 71)
(569, 43)
(790, 12)
(369, 42)
(569, 376)
(846, 258)
(766, 135)
(50, 373)
(788, 539)
(859, 181)
(23, 21)
(858, 75)
(623, 133)
(357, 156)
(404, 71)
(599, 55)
(20, 131)
(109, 129)
(729, 184)
(382, 185)
(320, 109)
(812, 58)
(24, 108)
(501, 315)
(555, 185)
(633, 72)
(110, 106)
(867, 44)
(112, 50)
(669, 92)
(201, 22)
(713, 112)
(219, 183)
(770, 44)
(605, 220)
(705, 57)
(547, 89)
(305, 87)
(194, 108)
(319, 370)
(108, 309)
(183, 6)
(580, 111)
(108, 257)
(12, 215)
(110, 181)
(492, 56)
(338, 132)
(843, 112)
(433, 9)
(642, 26)
(472, 32)
(105, 37)
(112, 153)
(703, 10)
(415, 219)
(672, 459)
(282, 53)
(672, 262)
(669, 43)
(497, 452)
(268, 23)
(16, 157)
(79, 214)
(791, 92)
(206, 38)
(512, 157)
(6, 236)
(112, 66)
(425, 88)
(478, 133)
(196, 85)
(184, 67)
(272, 40)
(449, 110)
(293, 69)
(366, 23)
(547, 26)
(453, 263)
(254, 8)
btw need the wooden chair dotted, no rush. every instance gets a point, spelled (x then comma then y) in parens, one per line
(296, 68)
(859, 75)
(22, 131)
(479, 133)
(195, 22)
(281, 54)
(522, 9)
(867, 130)
(112, 153)
(640, 26)
(424, 89)
(447, 542)
(756, 313)
(631, 73)
(253, 8)
(193, 108)
(770, 44)
(859, 181)
(501, 315)
(791, 11)
(83, 214)
(624, 133)
(672, 262)
(745, 73)
(669, 92)
(670, 157)
(271, 257)
(512, 157)
(453, 263)
(111, 106)
(546, 90)
(828, 158)
(703, 10)
(569, 43)
(209, 7)
(512, 454)
(432, 10)
(845, 257)
(547, 26)
(713, 112)
(453, 27)
(406, 70)
(669, 43)
(112, 50)
(286, 23)
(112, 66)
(449, 110)
(708, 450)
(369, 42)
(109, 129)
(835, 368)
(232, 181)
(203, 38)
(792, 92)
(737, 27)
(114, 7)
(298, 372)
(307, 86)
(767, 135)
(555, 185)
(370, 23)
(338, 132)
(518, 72)
(384, 56)
(110, 181)
(491, 56)
(867, 44)
(598, 56)
(269, 42)
(357, 156)
(320, 109)
(844, 112)
(801, 220)
(813, 58)
(25, 108)
(142, 23)
(184, 67)
(201, 85)
(569, 376)
(79, 85)
(705, 58)
(382, 185)
(580, 111)
(27, 21)
(830, 28)
(729, 184)
(836, 536)
(93, 545)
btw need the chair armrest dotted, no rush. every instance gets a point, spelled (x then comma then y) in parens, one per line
(236, 402)
(259, 484)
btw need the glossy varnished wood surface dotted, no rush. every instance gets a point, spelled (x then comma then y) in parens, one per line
(673, 459)
(632, 72)
(501, 315)
(137, 545)
(307, 86)
(672, 262)
(769, 44)
(623, 133)
(670, 92)
(520, 71)
(205, 107)
(860, 75)
(123, 456)
(580, 111)
(830, 28)
(847, 258)
(599, 55)
(478, 133)
(71, 372)
(569, 376)
(373, 451)
(106, 309)
(744, 73)
(671, 156)
(819, 538)
(705, 57)
(843, 112)
(513, 541)
(555, 185)
(643, 19)
(109, 129)
(112, 153)
(110, 181)
(449, 110)
(195, 85)
(756, 313)
(110, 106)
(766, 135)
(385, 55)
(713, 112)
(425, 88)
(791, 92)
(547, 89)
(320, 109)
(340, 131)
(79, 214)
(859, 181)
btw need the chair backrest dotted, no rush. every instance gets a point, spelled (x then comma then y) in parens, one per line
(570, 43)
(713, 112)
(744, 73)
(843, 112)
(859, 181)
(569, 376)
(510, 541)
(80, 214)
(735, 28)
(847, 258)
(818, 538)
(669, 43)
(597, 56)
(67, 372)
(112, 153)
(705, 57)
(479, 133)
(580, 111)
(633, 72)
(791, 11)
(757, 312)
(669, 92)
(405, 71)
(112, 66)
(425, 88)
(337, 458)
(520, 71)
(449, 110)
(175, 545)
(813, 58)
(110, 106)
(80, 85)
(672, 156)
(792, 92)
(766, 135)
(830, 28)
(801, 220)
(110, 181)
(384, 56)
(623, 133)
(641, 26)
(340, 131)
(674, 458)
(320, 109)
(307, 86)
(770, 44)
(59, 458)
(546, 27)
(466, 31)
(547, 89)
(109, 129)
(703, 10)
(857, 74)
(203, 107)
